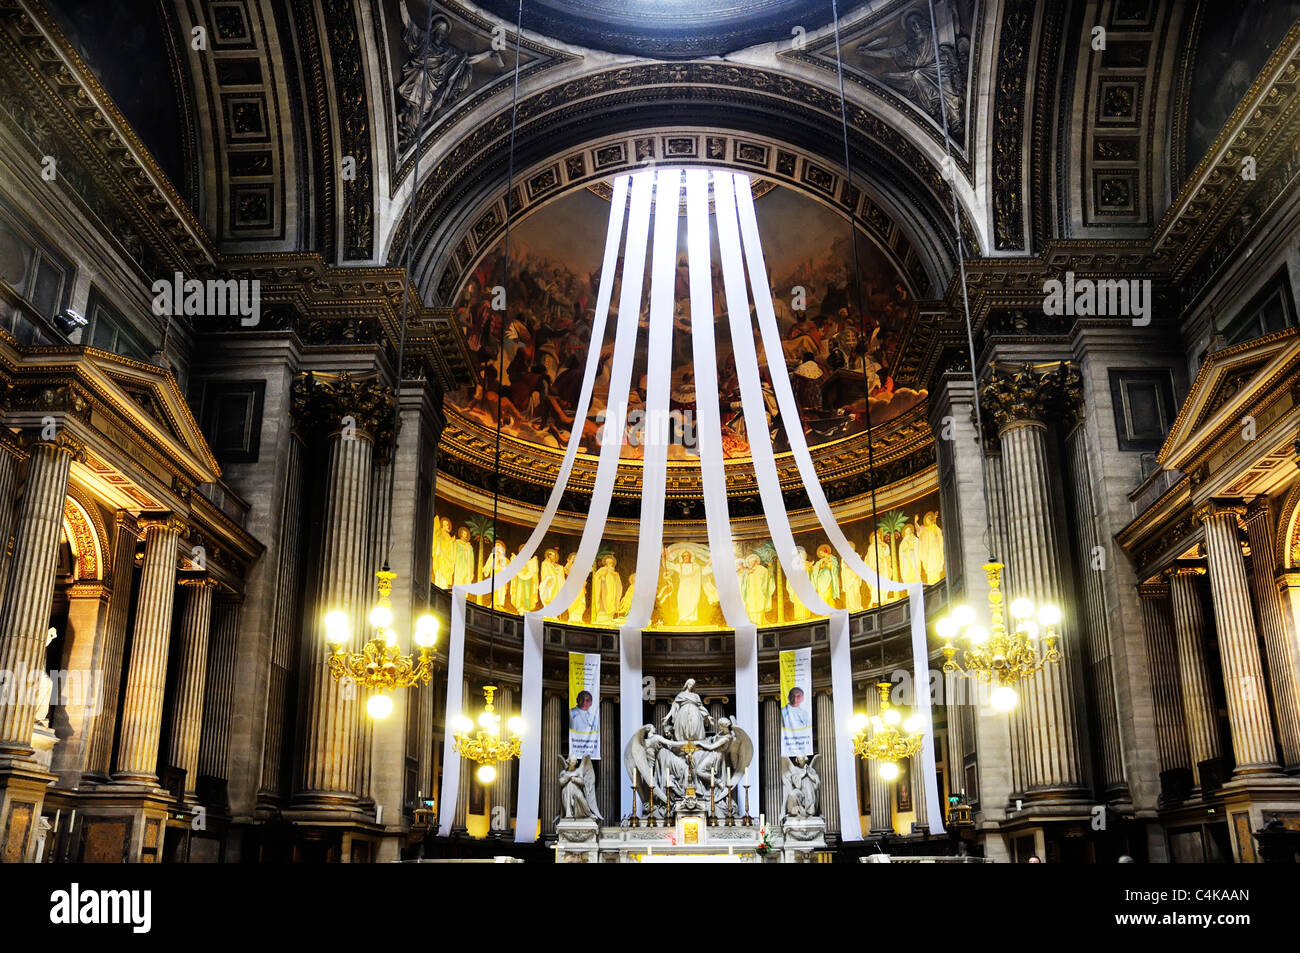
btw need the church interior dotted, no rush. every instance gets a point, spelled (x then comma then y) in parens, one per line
(365, 499)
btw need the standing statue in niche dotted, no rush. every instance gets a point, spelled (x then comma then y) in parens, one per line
(436, 72)
(578, 788)
(45, 688)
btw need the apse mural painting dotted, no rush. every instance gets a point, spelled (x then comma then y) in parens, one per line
(841, 365)
(907, 541)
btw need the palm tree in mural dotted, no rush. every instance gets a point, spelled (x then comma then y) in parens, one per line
(891, 524)
(481, 528)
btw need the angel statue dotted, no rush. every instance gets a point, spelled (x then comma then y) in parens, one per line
(687, 718)
(721, 760)
(799, 786)
(578, 788)
(436, 72)
(655, 768)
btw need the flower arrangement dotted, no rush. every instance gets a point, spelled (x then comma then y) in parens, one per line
(765, 844)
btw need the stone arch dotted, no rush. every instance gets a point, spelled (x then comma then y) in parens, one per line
(86, 536)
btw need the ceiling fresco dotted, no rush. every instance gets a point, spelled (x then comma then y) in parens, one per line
(554, 275)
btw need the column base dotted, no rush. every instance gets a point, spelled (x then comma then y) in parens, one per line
(126, 823)
(22, 794)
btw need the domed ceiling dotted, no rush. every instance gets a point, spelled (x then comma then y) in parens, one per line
(667, 29)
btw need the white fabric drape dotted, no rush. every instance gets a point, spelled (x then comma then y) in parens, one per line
(456, 639)
(714, 481)
(620, 382)
(771, 337)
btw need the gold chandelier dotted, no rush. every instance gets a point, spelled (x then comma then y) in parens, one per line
(887, 738)
(380, 665)
(486, 747)
(995, 655)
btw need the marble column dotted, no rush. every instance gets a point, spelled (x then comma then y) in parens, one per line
(554, 747)
(1045, 724)
(659, 713)
(1193, 672)
(11, 458)
(100, 761)
(1243, 673)
(503, 787)
(824, 718)
(773, 766)
(1282, 650)
(1166, 688)
(919, 807)
(611, 761)
(717, 709)
(330, 775)
(191, 680)
(459, 822)
(29, 593)
(882, 791)
(218, 700)
(146, 681)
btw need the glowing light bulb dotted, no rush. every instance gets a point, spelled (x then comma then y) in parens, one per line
(946, 628)
(381, 617)
(1021, 608)
(1049, 615)
(892, 717)
(379, 707)
(390, 637)
(516, 725)
(914, 725)
(858, 723)
(977, 634)
(1004, 698)
(486, 774)
(336, 626)
(426, 631)
(487, 720)
(889, 770)
(461, 725)
(963, 615)
(1030, 628)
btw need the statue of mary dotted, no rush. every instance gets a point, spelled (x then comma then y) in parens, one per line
(687, 718)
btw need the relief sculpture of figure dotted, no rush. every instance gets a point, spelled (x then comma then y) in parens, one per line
(436, 72)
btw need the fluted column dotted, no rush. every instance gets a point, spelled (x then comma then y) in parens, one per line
(25, 617)
(882, 791)
(1243, 673)
(830, 796)
(1193, 672)
(1166, 689)
(330, 769)
(459, 822)
(191, 677)
(1282, 649)
(554, 747)
(1045, 723)
(919, 807)
(218, 700)
(611, 761)
(503, 703)
(100, 761)
(11, 457)
(770, 745)
(658, 714)
(146, 681)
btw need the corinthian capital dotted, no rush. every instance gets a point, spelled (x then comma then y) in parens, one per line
(1032, 392)
(1230, 509)
(332, 402)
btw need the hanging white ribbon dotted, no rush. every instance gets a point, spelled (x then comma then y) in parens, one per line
(789, 409)
(713, 475)
(620, 382)
(456, 637)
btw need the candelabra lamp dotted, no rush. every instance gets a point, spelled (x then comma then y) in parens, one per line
(995, 654)
(887, 738)
(381, 665)
(486, 747)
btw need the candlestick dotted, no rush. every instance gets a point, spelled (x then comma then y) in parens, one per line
(635, 821)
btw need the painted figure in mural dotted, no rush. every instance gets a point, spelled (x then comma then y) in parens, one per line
(625, 604)
(917, 72)
(851, 584)
(523, 588)
(690, 581)
(444, 553)
(496, 563)
(878, 559)
(758, 589)
(826, 575)
(930, 537)
(436, 72)
(579, 607)
(552, 576)
(909, 555)
(801, 612)
(462, 573)
(606, 592)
